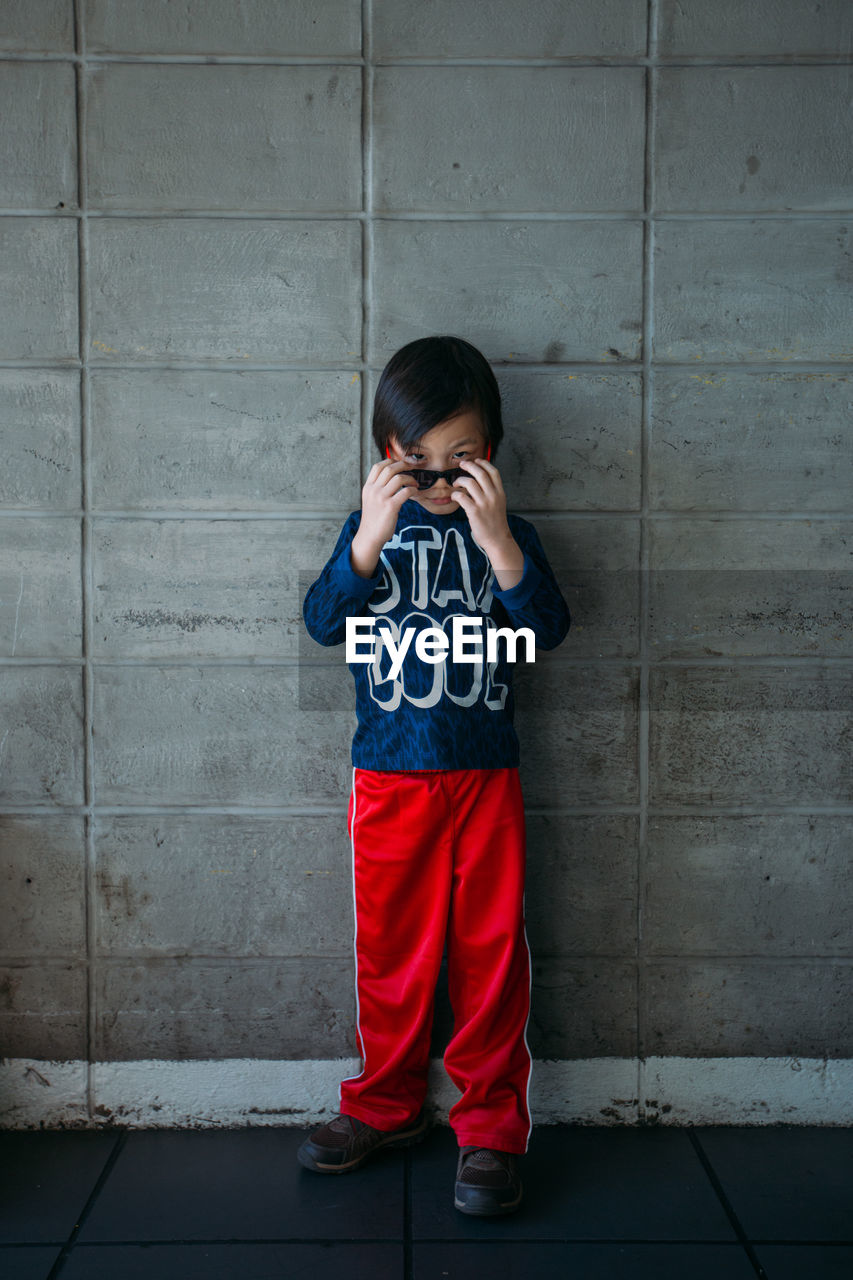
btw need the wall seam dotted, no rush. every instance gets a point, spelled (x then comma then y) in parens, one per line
(86, 552)
(643, 725)
(367, 235)
(744, 61)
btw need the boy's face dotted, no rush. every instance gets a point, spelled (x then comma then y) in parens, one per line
(441, 449)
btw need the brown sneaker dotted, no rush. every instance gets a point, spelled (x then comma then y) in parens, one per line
(487, 1182)
(345, 1143)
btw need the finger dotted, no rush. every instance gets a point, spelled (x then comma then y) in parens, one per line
(378, 468)
(469, 484)
(485, 471)
(391, 469)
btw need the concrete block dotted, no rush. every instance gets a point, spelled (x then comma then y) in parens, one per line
(546, 29)
(256, 27)
(38, 26)
(236, 289)
(581, 896)
(41, 1095)
(226, 735)
(578, 734)
(773, 27)
(572, 440)
(758, 138)
(596, 563)
(300, 1008)
(459, 138)
(224, 137)
(774, 441)
(203, 588)
(750, 736)
(38, 286)
(43, 1011)
(583, 1009)
(221, 440)
(750, 587)
(41, 735)
(40, 588)
(530, 292)
(39, 438)
(259, 886)
(756, 884)
(38, 145)
(42, 868)
(763, 290)
(754, 1008)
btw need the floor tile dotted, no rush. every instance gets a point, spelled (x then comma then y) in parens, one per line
(816, 1261)
(786, 1182)
(580, 1183)
(242, 1184)
(21, 1263)
(46, 1178)
(227, 1261)
(521, 1260)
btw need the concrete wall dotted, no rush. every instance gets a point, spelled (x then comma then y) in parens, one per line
(217, 221)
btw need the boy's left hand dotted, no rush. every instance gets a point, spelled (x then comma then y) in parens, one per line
(481, 496)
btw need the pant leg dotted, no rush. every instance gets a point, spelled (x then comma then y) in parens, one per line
(489, 963)
(402, 847)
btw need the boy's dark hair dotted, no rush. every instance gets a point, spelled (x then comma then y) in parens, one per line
(428, 381)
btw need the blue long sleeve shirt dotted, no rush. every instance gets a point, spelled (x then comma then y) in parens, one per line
(451, 715)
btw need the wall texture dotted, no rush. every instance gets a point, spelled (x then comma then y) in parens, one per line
(217, 221)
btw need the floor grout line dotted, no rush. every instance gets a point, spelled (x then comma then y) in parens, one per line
(728, 1208)
(116, 1151)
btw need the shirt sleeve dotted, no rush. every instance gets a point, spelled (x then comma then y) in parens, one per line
(339, 592)
(536, 600)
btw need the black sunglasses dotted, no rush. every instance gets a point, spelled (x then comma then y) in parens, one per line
(426, 479)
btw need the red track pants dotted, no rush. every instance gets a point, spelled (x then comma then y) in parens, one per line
(440, 853)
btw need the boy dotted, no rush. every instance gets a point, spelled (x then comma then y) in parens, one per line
(435, 813)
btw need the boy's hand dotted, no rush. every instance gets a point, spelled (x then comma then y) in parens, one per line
(481, 496)
(385, 490)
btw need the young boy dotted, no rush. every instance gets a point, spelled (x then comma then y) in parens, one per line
(435, 814)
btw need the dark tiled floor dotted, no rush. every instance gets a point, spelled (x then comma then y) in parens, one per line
(620, 1204)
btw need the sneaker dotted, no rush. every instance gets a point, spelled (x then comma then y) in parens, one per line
(487, 1182)
(345, 1143)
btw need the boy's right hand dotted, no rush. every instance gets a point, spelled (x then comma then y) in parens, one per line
(385, 490)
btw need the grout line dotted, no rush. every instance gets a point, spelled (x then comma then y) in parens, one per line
(517, 1241)
(87, 594)
(247, 811)
(556, 216)
(644, 649)
(88, 1206)
(672, 61)
(592, 368)
(627, 662)
(728, 1209)
(408, 1249)
(677, 515)
(368, 243)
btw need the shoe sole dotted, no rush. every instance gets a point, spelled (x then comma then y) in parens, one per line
(484, 1207)
(407, 1139)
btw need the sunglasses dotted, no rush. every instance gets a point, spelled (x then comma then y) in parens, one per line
(426, 479)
